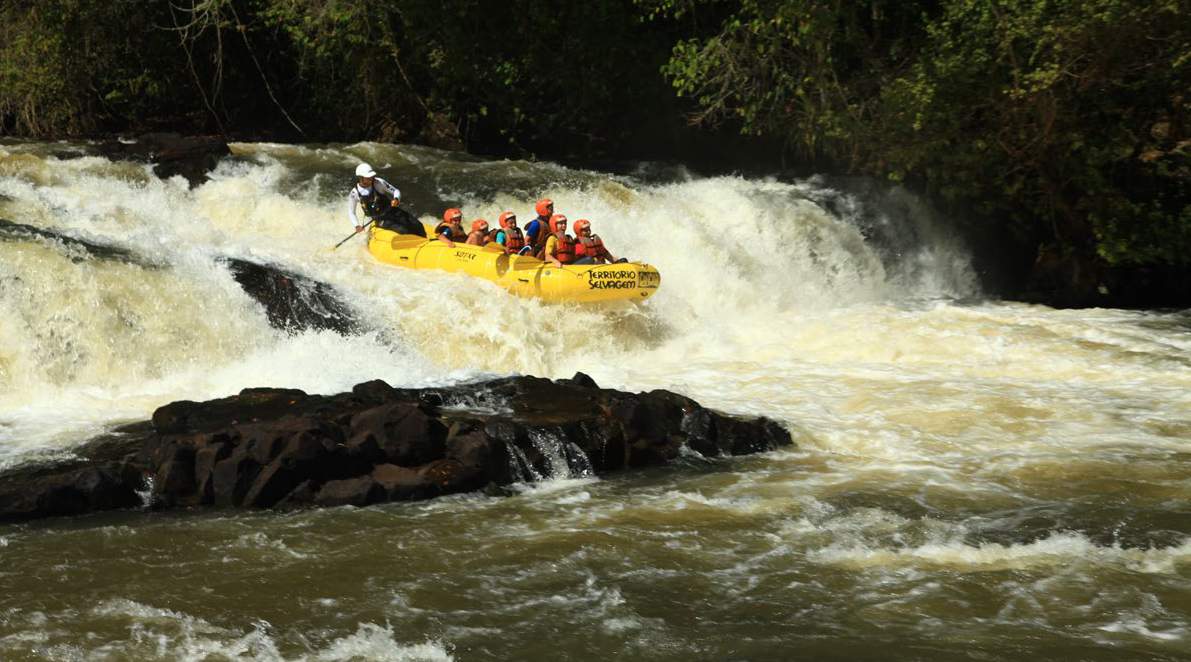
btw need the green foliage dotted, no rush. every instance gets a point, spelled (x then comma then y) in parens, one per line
(506, 78)
(806, 71)
(1066, 118)
(71, 66)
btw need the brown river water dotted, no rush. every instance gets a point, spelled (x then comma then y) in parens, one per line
(974, 479)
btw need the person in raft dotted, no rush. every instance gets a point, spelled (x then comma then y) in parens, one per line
(538, 229)
(589, 248)
(560, 246)
(451, 230)
(479, 235)
(379, 200)
(510, 236)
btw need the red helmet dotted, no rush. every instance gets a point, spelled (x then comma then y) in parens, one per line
(451, 214)
(581, 225)
(544, 207)
(555, 220)
(506, 218)
(479, 224)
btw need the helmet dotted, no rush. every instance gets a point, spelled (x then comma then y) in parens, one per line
(452, 213)
(555, 220)
(365, 170)
(582, 224)
(506, 218)
(544, 207)
(479, 224)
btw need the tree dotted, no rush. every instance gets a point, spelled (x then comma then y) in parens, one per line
(1066, 119)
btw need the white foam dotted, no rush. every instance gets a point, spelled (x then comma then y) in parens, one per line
(1140, 627)
(1057, 549)
(374, 642)
(841, 322)
(166, 633)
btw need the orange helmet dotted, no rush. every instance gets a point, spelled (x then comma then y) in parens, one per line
(506, 218)
(555, 220)
(544, 207)
(581, 225)
(452, 214)
(479, 224)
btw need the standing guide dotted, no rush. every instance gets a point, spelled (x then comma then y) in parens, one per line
(379, 200)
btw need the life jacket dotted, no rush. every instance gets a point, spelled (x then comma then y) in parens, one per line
(374, 204)
(565, 249)
(484, 238)
(453, 235)
(539, 239)
(514, 239)
(592, 247)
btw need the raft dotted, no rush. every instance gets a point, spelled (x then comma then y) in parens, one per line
(520, 274)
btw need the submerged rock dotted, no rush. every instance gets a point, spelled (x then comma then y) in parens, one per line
(171, 154)
(292, 302)
(269, 448)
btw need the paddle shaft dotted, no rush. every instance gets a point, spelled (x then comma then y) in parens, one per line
(352, 235)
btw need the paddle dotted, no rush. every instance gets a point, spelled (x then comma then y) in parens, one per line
(352, 235)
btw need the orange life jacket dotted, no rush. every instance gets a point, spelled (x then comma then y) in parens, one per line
(592, 247)
(514, 239)
(564, 250)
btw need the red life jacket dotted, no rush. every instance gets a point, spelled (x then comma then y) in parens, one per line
(592, 247)
(514, 239)
(564, 250)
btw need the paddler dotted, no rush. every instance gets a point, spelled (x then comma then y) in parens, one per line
(509, 235)
(479, 235)
(451, 230)
(560, 246)
(379, 200)
(589, 248)
(538, 229)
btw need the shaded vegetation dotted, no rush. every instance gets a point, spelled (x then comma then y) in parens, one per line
(1066, 121)
(516, 78)
(1062, 123)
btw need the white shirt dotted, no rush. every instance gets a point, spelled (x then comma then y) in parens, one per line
(358, 192)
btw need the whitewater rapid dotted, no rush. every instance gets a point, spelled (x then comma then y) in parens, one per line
(966, 466)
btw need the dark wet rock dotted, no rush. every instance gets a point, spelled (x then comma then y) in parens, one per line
(359, 491)
(581, 379)
(75, 248)
(401, 483)
(267, 448)
(104, 474)
(171, 154)
(292, 302)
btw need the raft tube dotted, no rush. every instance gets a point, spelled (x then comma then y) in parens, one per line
(520, 274)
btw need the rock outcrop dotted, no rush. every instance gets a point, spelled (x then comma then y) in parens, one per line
(292, 302)
(171, 154)
(267, 448)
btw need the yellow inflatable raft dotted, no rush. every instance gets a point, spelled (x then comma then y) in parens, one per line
(522, 275)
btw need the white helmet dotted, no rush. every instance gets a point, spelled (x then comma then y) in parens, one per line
(365, 170)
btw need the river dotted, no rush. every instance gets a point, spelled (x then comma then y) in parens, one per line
(974, 479)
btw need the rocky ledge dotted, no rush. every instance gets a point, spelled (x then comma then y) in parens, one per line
(278, 448)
